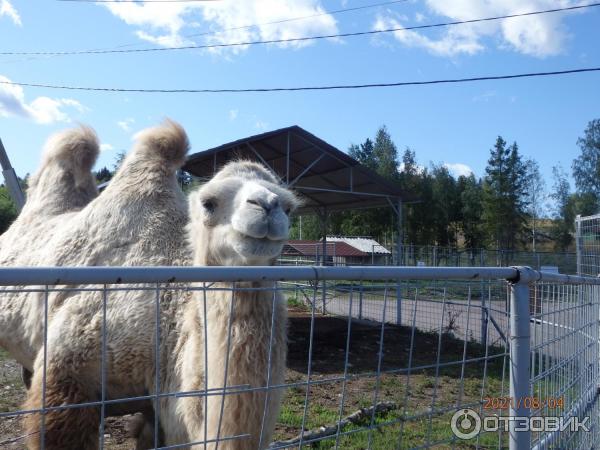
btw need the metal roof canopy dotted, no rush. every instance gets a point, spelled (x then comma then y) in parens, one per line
(327, 178)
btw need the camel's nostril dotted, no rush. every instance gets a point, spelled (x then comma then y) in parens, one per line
(256, 203)
(263, 205)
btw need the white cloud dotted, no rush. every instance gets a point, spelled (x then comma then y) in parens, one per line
(43, 110)
(8, 10)
(233, 114)
(125, 124)
(106, 147)
(419, 18)
(166, 23)
(261, 125)
(541, 35)
(419, 168)
(485, 97)
(458, 169)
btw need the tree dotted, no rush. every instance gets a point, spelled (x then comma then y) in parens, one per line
(471, 197)
(567, 207)
(8, 210)
(385, 155)
(119, 158)
(363, 153)
(535, 191)
(561, 229)
(103, 175)
(586, 167)
(504, 198)
(305, 227)
(445, 206)
(381, 156)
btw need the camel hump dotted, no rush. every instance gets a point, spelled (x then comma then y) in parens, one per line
(75, 148)
(167, 142)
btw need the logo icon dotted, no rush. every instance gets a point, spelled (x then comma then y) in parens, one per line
(465, 424)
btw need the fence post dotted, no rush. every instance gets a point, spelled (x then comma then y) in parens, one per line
(484, 316)
(578, 239)
(519, 358)
(398, 302)
(360, 302)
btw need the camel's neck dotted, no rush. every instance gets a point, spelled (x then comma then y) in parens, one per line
(246, 348)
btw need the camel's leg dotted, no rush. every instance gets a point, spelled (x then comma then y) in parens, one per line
(26, 377)
(64, 181)
(141, 427)
(65, 429)
(67, 373)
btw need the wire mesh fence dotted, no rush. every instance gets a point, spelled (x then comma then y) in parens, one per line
(463, 306)
(345, 384)
(587, 239)
(339, 254)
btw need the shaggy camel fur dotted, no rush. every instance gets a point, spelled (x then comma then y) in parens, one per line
(240, 217)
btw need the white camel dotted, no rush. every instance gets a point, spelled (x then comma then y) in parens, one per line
(238, 218)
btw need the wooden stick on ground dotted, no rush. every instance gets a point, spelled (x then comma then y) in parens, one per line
(319, 433)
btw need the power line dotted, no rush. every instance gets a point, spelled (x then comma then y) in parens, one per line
(307, 38)
(275, 22)
(307, 88)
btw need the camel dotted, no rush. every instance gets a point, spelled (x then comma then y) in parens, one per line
(241, 217)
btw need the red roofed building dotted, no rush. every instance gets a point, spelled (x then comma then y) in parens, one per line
(300, 252)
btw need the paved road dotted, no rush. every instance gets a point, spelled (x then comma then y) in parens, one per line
(563, 330)
(430, 315)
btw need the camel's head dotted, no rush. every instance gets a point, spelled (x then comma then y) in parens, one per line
(241, 216)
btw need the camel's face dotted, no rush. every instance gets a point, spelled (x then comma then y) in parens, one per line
(246, 217)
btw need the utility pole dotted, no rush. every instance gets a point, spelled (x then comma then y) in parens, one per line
(10, 177)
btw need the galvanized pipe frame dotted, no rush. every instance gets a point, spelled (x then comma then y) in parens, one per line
(48, 276)
(124, 275)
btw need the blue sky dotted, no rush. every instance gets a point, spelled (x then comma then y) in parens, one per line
(453, 124)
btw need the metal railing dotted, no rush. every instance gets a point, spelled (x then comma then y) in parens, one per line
(348, 384)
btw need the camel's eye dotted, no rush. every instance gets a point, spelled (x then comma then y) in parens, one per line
(287, 211)
(209, 205)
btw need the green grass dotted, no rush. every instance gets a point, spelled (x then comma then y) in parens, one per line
(296, 303)
(411, 424)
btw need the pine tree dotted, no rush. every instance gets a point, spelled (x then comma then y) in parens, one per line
(445, 207)
(103, 175)
(471, 211)
(586, 167)
(504, 199)
(385, 155)
(8, 210)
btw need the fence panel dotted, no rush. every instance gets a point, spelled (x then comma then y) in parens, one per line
(412, 378)
(587, 240)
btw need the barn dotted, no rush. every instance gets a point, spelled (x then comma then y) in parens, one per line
(326, 177)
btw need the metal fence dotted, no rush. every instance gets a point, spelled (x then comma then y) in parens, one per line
(587, 241)
(348, 384)
(432, 256)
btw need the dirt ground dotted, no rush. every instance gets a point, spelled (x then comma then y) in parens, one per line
(327, 401)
